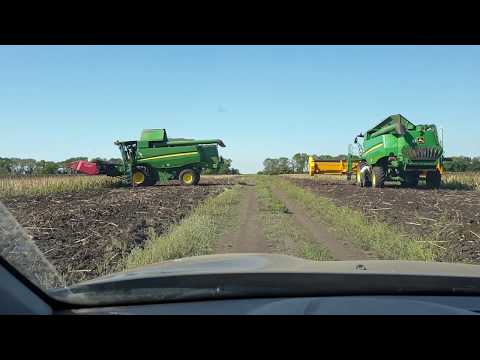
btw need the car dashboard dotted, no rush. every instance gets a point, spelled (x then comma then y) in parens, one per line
(333, 305)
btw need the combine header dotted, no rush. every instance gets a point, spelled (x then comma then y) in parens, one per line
(393, 150)
(333, 167)
(156, 158)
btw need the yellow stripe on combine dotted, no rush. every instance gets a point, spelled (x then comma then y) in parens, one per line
(167, 156)
(373, 148)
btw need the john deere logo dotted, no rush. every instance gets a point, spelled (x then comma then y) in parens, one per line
(421, 140)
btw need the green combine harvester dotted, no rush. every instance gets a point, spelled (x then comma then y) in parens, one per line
(156, 158)
(397, 150)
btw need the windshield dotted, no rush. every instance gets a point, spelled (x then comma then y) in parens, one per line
(120, 160)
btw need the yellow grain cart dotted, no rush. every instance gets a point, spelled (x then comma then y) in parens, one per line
(332, 167)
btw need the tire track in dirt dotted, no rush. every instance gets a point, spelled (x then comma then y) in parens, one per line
(449, 217)
(340, 250)
(249, 237)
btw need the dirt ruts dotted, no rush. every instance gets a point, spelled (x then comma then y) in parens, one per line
(340, 250)
(450, 217)
(249, 237)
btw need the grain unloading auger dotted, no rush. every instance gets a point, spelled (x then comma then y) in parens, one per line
(393, 150)
(156, 158)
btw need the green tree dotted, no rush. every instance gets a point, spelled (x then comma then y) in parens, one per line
(5, 166)
(43, 167)
(285, 165)
(300, 162)
(117, 161)
(271, 166)
(72, 159)
(51, 167)
(224, 168)
(460, 163)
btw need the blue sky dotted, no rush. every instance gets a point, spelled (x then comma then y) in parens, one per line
(263, 101)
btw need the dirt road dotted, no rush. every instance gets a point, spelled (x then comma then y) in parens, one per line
(250, 235)
(340, 250)
(248, 238)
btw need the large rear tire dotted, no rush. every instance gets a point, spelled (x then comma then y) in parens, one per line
(362, 178)
(378, 176)
(197, 179)
(359, 177)
(411, 179)
(434, 179)
(189, 177)
(142, 177)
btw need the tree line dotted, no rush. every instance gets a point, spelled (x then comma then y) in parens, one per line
(463, 163)
(298, 163)
(17, 166)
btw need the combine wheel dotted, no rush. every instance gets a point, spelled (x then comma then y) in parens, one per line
(411, 179)
(359, 177)
(141, 177)
(362, 177)
(434, 179)
(378, 176)
(197, 178)
(189, 177)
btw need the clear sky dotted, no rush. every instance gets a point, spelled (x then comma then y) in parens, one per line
(262, 101)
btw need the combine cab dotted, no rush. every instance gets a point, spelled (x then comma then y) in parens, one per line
(156, 158)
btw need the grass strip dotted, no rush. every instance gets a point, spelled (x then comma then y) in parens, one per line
(195, 235)
(351, 225)
(281, 229)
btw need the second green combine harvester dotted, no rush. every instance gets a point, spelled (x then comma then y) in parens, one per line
(393, 150)
(397, 150)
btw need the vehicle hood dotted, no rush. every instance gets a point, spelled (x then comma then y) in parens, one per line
(276, 263)
(269, 275)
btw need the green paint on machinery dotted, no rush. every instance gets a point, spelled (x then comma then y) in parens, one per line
(398, 150)
(156, 158)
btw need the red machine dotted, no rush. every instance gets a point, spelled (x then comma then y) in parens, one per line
(84, 167)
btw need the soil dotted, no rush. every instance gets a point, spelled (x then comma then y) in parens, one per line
(340, 250)
(86, 234)
(249, 237)
(451, 217)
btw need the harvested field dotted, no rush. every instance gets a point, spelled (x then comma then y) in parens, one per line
(450, 217)
(88, 234)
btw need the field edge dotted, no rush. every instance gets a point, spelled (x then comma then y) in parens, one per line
(386, 242)
(195, 235)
